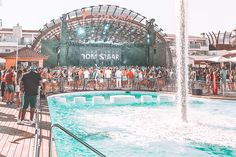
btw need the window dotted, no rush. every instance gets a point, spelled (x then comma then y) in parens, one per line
(7, 50)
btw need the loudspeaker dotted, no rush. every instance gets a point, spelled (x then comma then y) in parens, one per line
(196, 91)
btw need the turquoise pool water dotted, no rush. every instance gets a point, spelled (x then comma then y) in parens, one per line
(144, 130)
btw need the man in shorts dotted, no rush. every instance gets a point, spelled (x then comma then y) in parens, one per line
(9, 88)
(29, 86)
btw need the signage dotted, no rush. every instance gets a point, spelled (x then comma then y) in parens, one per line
(101, 56)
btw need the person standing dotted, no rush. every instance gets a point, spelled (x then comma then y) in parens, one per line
(9, 88)
(223, 74)
(108, 76)
(29, 85)
(95, 78)
(86, 78)
(130, 76)
(214, 80)
(3, 85)
(17, 88)
(118, 78)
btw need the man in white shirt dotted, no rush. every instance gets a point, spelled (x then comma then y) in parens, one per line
(118, 78)
(86, 77)
(108, 76)
(107, 73)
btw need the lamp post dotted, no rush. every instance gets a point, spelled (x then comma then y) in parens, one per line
(17, 47)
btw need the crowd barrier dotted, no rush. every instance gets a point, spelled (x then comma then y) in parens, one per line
(151, 84)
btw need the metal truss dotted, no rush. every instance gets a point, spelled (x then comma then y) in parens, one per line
(123, 26)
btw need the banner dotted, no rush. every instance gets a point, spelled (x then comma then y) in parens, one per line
(91, 54)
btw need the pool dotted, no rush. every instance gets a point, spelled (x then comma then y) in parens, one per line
(143, 129)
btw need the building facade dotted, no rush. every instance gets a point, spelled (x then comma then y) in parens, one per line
(10, 36)
(198, 45)
(26, 57)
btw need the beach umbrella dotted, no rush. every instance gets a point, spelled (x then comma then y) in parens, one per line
(233, 59)
(217, 59)
(232, 51)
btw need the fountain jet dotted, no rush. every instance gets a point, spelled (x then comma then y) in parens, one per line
(182, 58)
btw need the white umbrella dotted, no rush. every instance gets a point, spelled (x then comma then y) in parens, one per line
(233, 59)
(232, 51)
(217, 59)
(2, 60)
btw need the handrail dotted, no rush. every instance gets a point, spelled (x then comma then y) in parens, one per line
(36, 138)
(75, 137)
(149, 84)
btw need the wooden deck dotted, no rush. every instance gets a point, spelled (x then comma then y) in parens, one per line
(18, 140)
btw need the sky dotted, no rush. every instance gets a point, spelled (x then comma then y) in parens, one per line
(203, 15)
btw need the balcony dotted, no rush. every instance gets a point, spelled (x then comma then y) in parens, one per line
(5, 43)
(13, 42)
(194, 46)
(198, 46)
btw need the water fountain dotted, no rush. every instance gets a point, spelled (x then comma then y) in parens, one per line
(182, 59)
(126, 127)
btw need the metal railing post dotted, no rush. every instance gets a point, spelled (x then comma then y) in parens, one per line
(50, 142)
(36, 141)
(75, 137)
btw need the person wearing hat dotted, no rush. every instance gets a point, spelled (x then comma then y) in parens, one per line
(29, 86)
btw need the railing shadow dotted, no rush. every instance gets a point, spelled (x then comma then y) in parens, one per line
(16, 132)
(7, 117)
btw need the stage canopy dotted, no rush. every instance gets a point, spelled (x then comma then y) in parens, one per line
(107, 24)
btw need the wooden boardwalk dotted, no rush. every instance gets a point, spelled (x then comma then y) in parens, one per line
(18, 140)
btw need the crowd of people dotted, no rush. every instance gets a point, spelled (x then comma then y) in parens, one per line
(135, 77)
(24, 82)
(213, 78)
(21, 88)
(99, 78)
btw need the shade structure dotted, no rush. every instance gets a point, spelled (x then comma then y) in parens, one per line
(232, 51)
(196, 59)
(230, 55)
(233, 59)
(217, 59)
(2, 60)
